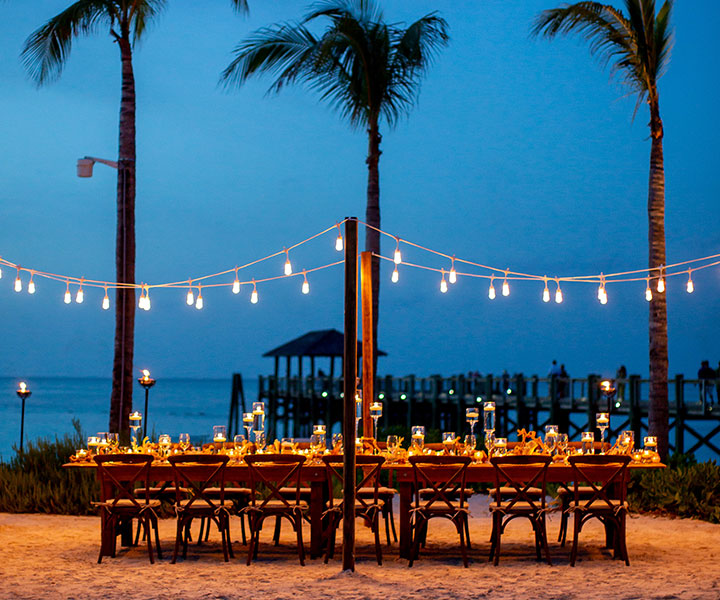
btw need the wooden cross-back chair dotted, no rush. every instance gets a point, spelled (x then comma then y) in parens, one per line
(275, 474)
(197, 473)
(606, 477)
(368, 506)
(442, 480)
(517, 479)
(118, 475)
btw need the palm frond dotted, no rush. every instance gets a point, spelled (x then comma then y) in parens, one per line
(142, 13)
(46, 49)
(362, 11)
(240, 6)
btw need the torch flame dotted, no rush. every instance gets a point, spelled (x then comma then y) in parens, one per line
(23, 386)
(146, 374)
(605, 385)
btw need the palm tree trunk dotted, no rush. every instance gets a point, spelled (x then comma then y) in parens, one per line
(658, 418)
(122, 385)
(372, 218)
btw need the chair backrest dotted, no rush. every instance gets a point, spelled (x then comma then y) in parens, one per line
(274, 471)
(520, 473)
(367, 466)
(197, 472)
(445, 476)
(606, 474)
(118, 474)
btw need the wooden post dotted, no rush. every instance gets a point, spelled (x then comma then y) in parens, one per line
(368, 373)
(635, 409)
(350, 373)
(679, 415)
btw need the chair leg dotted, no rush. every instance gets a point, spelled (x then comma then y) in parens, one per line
(202, 530)
(386, 518)
(146, 526)
(392, 521)
(376, 530)
(493, 536)
(543, 537)
(498, 537)
(178, 539)
(622, 539)
(467, 532)
(462, 527)
(157, 537)
(242, 527)
(276, 533)
(227, 536)
(207, 529)
(576, 534)
(301, 546)
(223, 538)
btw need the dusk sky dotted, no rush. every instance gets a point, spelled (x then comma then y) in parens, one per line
(520, 153)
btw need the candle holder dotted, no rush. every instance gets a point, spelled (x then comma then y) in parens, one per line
(376, 409)
(258, 413)
(603, 422)
(135, 424)
(23, 393)
(489, 416)
(472, 415)
(358, 411)
(418, 438)
(551, 435)
(164, 443)
(448, 440)
(146, 382)
(219, 437)
(500, 447)
(248, 423)
(587, 441)
(608, 391)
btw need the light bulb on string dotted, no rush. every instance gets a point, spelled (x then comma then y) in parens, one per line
(690, 285)
(305, 285)
(106, 300)
(395, 275)
(80, 296)
(505, 286)
(0, 269)
(648, 291)
(546, 292)
(147, 298)
(452, 277)
(491, 289)
(288, 265)
(661, 281)
(67, 298)
(190, 299)
(199, 302)
(141, 301)
(443, 283)
(18, 281)
(236, 283)
(31, 283)
(602, 293)
(339, 239)
(254, 295)
(397, 257)
(558, 292)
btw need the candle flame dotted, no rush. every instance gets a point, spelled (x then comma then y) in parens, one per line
(146, 374)
(23, 386)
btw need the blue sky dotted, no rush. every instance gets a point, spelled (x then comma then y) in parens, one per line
(520, 153)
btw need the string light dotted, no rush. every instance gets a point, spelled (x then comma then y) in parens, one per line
(339, 239)
(67, 299)
(141, 301)
(18, 281)
(661, 281)
(31, 283)
(546, 292)
(80, 296)
(443, 283)
(491, 289)
(648, 291)
(397, 257)
(505, 286)
(199, 302)
(453, 275)
(0, 269)
(288, 266)
(106, 300)
(690, 285)
(305, 285)
(602, 293)
(558, 292)
(254, 295)
(395, 275)
(190, 299)
(236, 283)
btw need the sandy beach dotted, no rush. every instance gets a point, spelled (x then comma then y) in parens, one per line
(52, 556)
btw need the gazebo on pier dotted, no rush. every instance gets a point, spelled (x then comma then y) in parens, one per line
(306, 399)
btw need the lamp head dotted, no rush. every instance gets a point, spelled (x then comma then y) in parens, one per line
(85, 167)
(22, 391)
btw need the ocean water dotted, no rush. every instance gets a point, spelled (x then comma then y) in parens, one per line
(176, 406)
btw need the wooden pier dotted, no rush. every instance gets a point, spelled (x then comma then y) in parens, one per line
(294, 404)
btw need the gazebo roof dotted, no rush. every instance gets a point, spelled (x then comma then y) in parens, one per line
(326, 342)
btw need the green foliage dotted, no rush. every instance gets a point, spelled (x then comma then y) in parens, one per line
(34, 480)
(684, 489)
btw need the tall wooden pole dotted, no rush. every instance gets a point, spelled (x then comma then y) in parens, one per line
(366, 310)
(349, 376)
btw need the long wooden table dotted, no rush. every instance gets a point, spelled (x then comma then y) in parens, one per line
(315, 474)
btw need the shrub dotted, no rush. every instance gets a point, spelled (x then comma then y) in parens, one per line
(684, 489)
(34, 480)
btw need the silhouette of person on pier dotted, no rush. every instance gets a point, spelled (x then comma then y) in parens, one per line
(563, 382)
(707, 376)
(620, 377)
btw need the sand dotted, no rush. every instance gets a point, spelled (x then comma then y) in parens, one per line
(52, 556)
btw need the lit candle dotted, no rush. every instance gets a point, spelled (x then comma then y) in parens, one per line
(135, 416)
(603, 418)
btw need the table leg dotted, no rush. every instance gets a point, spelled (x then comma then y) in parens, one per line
(317, 505)
(405, 489)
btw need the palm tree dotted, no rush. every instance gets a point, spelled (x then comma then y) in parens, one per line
(638, 44)
(44, 56)
(368, 70)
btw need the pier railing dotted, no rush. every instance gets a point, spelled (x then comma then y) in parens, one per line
(438, 402)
